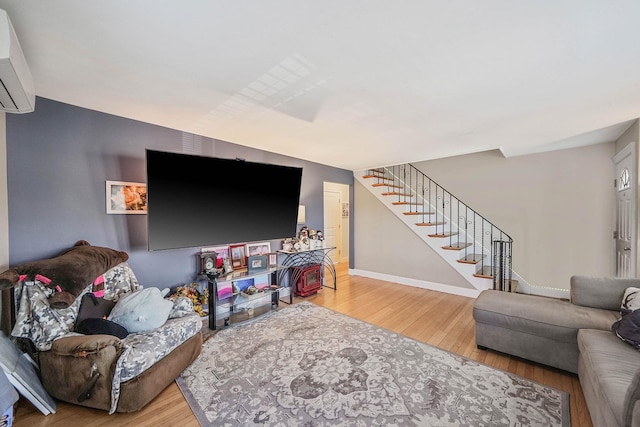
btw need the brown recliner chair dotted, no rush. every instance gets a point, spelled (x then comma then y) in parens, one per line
(100, 370)
(80, 370)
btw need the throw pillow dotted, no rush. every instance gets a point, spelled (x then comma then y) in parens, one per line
(142, 310)
(96, 326)
(92, 307)
(630, 300)
(628, 328)
(69, 273)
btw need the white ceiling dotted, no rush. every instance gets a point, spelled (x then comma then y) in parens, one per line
(352, 84)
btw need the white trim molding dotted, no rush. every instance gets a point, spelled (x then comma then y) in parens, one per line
(440, 287)
(455, 290)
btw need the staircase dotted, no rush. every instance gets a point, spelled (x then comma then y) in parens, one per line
(472, 245)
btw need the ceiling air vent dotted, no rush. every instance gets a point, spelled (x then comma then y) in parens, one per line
(17, 94)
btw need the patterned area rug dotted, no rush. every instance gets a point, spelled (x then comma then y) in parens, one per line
(306, 365)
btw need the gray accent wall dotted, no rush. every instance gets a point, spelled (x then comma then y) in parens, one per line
(59, 158)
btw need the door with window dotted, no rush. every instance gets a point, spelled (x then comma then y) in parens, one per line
(625, 232)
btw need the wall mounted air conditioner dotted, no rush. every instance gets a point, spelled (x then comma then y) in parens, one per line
(17, 94)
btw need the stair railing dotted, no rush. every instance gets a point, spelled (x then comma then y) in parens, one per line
(478, 240)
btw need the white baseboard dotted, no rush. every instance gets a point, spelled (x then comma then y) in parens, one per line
(440, 287)
(455, 290)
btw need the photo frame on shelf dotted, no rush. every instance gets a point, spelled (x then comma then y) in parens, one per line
(273, 259)
(225, 289)
(257, 262)
(243, 284)
(238, 256)
(222, 251)
(262, 248)
(126, 197)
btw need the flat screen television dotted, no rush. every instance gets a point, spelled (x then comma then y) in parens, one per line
(197, 201)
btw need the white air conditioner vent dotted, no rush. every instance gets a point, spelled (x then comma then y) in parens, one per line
(17, 94)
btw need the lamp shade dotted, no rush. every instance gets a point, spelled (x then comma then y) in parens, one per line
(301, 214)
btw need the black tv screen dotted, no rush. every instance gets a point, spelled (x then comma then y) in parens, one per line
(196, 201)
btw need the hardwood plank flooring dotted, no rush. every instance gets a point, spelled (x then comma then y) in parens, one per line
(436, 318)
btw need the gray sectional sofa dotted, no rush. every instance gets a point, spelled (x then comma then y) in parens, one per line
(574, 336)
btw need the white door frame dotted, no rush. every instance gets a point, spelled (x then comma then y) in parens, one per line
(628, 155)
(341, 253)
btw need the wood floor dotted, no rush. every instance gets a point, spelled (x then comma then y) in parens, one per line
(439, 319)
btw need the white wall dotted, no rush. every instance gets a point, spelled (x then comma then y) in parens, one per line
(630, 135)
(557, 206)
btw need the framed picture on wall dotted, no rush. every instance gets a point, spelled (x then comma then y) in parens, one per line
(126, 197)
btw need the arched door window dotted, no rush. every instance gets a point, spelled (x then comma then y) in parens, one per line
(625, 180)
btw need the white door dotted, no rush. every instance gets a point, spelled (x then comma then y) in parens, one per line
(333, 220)
(625, 231)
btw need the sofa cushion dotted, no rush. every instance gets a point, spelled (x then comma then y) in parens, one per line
(631, 399)
(145, 349)
(611, 366)
(551, 318)
(599, 292)
(142, 310)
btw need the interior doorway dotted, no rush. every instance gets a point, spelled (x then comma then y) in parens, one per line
(336, 220)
